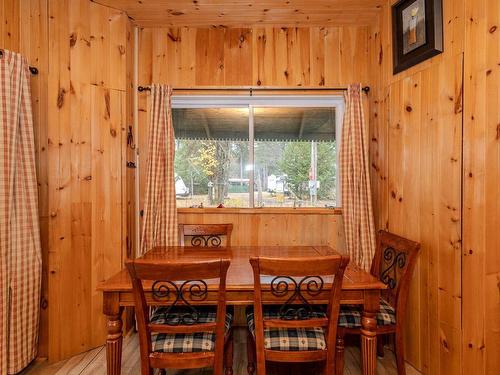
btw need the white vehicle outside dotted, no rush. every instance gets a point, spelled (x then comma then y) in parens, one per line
(181, 190)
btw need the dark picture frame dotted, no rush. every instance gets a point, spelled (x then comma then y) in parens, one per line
(427, 34)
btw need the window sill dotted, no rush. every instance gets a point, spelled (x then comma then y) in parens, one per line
(265, 210)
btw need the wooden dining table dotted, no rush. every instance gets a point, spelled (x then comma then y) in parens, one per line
(358, 287)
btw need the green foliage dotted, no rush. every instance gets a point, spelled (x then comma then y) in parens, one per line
(205, 161)
(215, 161)
(187, 165)
(296, 163)
(266, 156)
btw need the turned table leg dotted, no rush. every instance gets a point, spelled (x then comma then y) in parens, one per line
(369, 332)
(113, 312)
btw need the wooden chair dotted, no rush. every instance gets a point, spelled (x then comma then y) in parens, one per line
(205, 235)
(180, 334)
(393, 263)
(295, 331)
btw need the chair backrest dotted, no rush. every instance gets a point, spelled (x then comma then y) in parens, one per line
(297, 283)
(178, 284)
(393, 264)
(205, 235)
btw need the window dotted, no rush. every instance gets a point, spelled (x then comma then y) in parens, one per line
(257, 151)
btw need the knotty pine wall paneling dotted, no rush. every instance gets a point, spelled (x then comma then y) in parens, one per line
(86, 129)
(481, 194)
(24, 29)
(80, 50)
(258, 56)
(416, 160)
(273, 227)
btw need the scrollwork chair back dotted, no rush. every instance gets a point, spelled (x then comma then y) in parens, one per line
(393, 264)
(180, 286)
(297, 284)
(205, 235)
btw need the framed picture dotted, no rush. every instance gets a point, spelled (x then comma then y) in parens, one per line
(417, 32)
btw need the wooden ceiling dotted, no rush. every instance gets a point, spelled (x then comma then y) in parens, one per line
(231, 13)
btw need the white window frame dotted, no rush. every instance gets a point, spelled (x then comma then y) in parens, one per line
(268, 101)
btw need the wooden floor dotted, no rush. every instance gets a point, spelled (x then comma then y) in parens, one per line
(94, 362)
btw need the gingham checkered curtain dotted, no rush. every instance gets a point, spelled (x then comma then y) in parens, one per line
(355, 181)
(160, 211)
(20, 252)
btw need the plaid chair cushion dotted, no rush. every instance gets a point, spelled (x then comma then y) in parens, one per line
(350, 315)
(189, 342)
(291, 339)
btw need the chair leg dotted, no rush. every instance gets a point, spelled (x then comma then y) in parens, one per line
(380, 345)
(261, 366)
(339, 356)
(228, 359)
(250, 353)
(328, 367)
(400, 353)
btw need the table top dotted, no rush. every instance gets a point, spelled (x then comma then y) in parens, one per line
(240, 276)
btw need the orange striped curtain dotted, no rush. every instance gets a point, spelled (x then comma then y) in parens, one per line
(20, 250)
(160, 211)
(355, 181)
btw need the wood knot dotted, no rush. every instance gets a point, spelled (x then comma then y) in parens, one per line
(72, 39)
(60, 97)
(172, 37)
(107, 115)
(493, 29)
(409, 108)
(112, 132)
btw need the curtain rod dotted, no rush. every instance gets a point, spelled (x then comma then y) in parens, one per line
(33, 70)
(365, 89)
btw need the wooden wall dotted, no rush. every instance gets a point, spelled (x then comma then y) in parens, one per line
(435, 163)
(87, 86)
(481, 193)
(274, 227)
(416, 133)
(24, 29)
(82, 51)
(219, 56)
